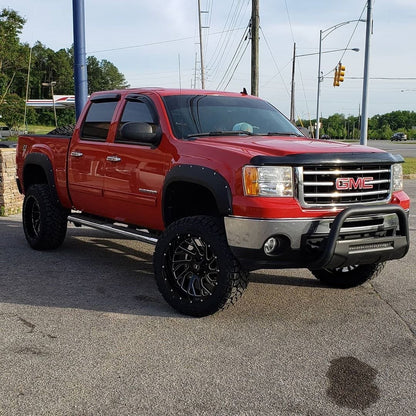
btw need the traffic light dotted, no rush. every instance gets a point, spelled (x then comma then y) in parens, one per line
(336, 83)
(341, 73)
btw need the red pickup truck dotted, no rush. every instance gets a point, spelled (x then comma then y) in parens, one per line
(222, 184)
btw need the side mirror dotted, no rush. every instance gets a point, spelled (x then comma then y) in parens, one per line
(142, 133)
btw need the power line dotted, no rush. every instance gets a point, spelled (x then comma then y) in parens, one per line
(353, 32)
(299, 68)
(274, 61)
(160, 42)
(234, 17)
(236, 59)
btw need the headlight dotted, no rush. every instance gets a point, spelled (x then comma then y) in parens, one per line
(268, 181)
(397, 177)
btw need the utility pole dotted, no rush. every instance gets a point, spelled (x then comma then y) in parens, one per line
(255, 23)
(200, 46)
(80, 59)
(364, 114)
(292, 92)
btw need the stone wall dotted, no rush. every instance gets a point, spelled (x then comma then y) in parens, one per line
(10, 198)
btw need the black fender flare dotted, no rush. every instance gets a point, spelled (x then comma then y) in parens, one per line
(43, 161)
(206, 177)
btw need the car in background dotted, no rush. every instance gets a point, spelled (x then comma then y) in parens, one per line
(8, 144)
(5, 132)
(399, 136)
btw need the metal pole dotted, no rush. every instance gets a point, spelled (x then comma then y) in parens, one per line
(80, 59)
(200, 47)
(319, 86)
(53, 103)
(255, 47)
(364, 114)
(27, 87)
(292, 92)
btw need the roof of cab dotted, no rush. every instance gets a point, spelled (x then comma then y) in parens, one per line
(167, 91)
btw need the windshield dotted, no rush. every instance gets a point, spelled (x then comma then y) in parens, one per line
(198, 115)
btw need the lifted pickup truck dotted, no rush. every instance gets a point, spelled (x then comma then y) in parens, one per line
(222, 184)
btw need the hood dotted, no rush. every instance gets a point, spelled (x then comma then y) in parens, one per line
(280, 146)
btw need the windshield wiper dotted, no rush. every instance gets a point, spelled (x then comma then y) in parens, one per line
(276, 133)
(222, 133)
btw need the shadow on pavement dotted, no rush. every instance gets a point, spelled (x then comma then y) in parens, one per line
(93, 270)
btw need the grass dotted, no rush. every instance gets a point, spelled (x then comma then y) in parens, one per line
(39, 129)
(32, 130)
(409, 166)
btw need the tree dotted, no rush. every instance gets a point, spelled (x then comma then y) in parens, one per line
(335, 126)
(11, 25)
(103, 75)
(11, 58)
(12, 111)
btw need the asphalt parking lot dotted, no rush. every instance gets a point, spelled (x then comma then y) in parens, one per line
(84, 331)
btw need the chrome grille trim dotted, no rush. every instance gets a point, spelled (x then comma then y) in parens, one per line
(343, 194)
(345, 172)
(317, 185)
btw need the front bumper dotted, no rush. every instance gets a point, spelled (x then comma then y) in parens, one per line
(357, 235)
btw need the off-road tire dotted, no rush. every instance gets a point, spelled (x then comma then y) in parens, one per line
(194, 268)
(44, 220)
(349, 276)
(63, 130)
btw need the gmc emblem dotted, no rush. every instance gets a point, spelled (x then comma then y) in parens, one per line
(347, 184)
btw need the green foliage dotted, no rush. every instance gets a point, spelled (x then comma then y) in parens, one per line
(12, 110)
(11, 25)
(103, 75)
(409, 166)
(46, 66)
(380, 127)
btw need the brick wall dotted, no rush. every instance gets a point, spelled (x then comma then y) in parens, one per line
(10, 199)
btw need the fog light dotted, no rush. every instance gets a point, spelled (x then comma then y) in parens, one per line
(270, 245)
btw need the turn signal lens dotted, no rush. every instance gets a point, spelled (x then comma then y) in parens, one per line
(251, 185)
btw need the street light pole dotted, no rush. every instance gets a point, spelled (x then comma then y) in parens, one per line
(318, 95)
(292, 92)
(364, 115)
(320, 77)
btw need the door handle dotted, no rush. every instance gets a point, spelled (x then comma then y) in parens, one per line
(113, 158)
(77, 154)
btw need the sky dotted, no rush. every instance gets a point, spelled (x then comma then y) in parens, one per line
(156, 43)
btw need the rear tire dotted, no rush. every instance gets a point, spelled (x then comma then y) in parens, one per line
(194, 268)
(44, 220)
(349, 276)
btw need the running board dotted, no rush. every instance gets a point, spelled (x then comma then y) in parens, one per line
(121, 229)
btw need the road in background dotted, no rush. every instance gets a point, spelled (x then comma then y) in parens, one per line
(84, 331)
(406, 148)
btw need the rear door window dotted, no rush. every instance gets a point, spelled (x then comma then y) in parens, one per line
(98, 120)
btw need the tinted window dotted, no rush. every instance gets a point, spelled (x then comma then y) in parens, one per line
(98, 120)
(195, 114)
(137, 111)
